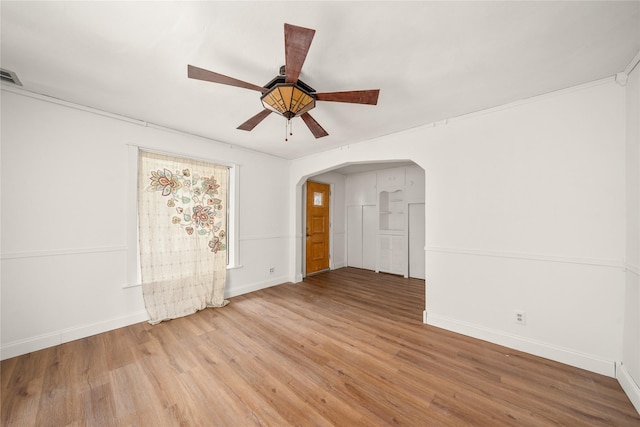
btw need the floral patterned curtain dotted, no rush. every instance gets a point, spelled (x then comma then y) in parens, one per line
(182, 207)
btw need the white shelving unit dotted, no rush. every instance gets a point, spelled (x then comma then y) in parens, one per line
(392, 226)
(391, 211)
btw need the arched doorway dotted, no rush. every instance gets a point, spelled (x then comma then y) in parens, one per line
(357, 217)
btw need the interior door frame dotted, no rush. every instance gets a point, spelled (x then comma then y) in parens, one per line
(304, 224)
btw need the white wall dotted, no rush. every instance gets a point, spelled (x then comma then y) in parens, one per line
(65, 216)
(525, 210)
(630, 371)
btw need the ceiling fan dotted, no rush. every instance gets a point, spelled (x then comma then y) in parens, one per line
(286, 94)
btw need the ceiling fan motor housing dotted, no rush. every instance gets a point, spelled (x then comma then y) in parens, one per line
(288, 99)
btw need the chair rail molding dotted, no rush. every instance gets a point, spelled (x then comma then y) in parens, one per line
(532, 257)
(62, 252)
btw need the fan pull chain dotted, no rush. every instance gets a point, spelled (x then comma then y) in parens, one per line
(288, 122)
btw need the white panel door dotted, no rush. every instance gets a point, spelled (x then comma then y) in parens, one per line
(360, 189)
(416, 240)
(369, 233)
(354, 236)
(414, 184)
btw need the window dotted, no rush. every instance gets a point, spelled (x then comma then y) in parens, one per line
(231, 235)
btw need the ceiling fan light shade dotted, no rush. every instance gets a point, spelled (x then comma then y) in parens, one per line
(288, 100)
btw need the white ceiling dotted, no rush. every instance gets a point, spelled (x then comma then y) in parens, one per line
(430, 60)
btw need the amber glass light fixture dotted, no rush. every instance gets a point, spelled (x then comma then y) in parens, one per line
(288, 100)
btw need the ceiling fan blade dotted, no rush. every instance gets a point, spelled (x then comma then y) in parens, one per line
(352, 96)
(297, 41)
(313, 126)
(210, 76)
(255, 120)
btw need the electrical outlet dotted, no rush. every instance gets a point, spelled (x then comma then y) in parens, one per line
(272, 270)
(520, 317)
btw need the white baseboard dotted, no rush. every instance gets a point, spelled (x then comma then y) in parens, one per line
(537, 348)
(630, 387)
(39, 342)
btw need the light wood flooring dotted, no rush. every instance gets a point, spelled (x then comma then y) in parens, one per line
(344, 348)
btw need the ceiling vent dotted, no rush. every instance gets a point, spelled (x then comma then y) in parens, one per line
(9, 77)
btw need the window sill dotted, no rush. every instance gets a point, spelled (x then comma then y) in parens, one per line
(135, 285)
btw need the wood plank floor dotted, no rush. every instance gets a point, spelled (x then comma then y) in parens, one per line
(344, 348)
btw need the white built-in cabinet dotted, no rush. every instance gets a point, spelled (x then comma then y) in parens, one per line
(361, 236)
(416, 235)
(414, 184)
(415, 209)
(380, 206)
(362, 222)
(392, 229)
